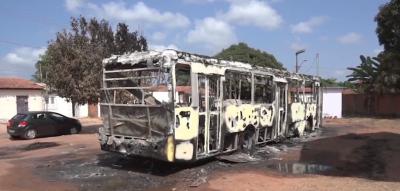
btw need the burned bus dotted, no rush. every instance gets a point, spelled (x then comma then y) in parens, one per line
(176, 106)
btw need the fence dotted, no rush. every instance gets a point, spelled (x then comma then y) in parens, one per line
(371, 105)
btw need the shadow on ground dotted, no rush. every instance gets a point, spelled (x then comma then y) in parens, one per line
(9, 152)
(145, 165)
(90, 129)
(109, 171)
(373, 156)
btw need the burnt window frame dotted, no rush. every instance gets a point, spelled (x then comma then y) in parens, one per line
(270, 83)
(189, 82)
(233, 85)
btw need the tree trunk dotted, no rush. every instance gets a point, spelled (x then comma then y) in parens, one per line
(73, 108)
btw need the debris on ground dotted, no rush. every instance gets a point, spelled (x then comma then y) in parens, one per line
(342, 153)
(39, 145)
(238, 157)
(198, 181)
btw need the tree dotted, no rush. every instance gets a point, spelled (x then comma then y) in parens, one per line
(333, 82)
(382, 74)
(365, 78)
(345, 84)
(243, 53)
(41, 68)
(72, 64)
(366, 75)
(388, 31)
(126, 41)
(389, 76)
(329, 82)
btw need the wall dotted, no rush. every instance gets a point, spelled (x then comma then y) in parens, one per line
(8, 101)
(363, 105)
(332, 102)
(61, 105)
(93, 110)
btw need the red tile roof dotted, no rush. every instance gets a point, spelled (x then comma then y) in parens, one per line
(19, 83)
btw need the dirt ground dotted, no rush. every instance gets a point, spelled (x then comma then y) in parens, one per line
(346, 154)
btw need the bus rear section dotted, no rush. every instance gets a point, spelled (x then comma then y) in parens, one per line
(136, 106)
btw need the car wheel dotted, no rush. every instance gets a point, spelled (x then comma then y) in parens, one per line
(73, 130)
(30, 134)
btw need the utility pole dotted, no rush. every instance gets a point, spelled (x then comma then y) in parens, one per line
(317, 62)
(297, 60)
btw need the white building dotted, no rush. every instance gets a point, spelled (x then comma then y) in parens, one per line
(332, 102)
(63, 106)
(19, 95)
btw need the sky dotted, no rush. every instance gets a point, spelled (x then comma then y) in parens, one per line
(339, 31)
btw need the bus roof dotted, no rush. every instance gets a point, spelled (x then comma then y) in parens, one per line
(166, 57)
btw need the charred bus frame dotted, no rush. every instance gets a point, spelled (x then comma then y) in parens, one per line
(177, 106)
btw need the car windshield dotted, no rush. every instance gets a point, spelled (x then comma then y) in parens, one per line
(19, 116)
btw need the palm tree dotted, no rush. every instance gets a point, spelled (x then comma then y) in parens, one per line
(366, 79)
(366, 75)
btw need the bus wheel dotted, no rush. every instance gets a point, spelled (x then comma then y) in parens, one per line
(249, 141)
(309, 124)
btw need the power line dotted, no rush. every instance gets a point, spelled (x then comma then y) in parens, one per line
(309, 66)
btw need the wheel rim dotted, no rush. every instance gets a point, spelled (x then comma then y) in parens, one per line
(74, 130)
(31, 134)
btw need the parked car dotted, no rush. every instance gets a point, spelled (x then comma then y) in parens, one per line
(40, 124)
